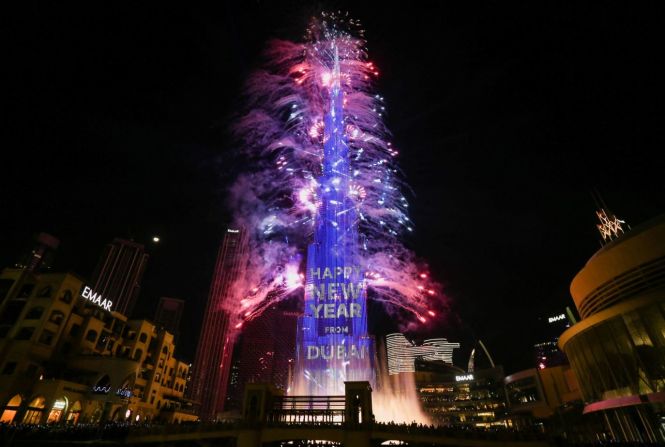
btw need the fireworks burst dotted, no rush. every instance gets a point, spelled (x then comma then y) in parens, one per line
(277, 199)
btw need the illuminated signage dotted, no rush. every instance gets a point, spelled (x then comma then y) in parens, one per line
(402, 354)
(59, 405)
(96, 298)
(122, 392)
(464, 378)
(232, 231)
(339, 292)
(334, 303)
(335, 346)
(556, 318)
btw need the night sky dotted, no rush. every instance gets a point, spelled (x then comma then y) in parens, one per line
(506, 118)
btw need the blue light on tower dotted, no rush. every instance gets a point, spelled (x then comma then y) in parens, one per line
(333, 343)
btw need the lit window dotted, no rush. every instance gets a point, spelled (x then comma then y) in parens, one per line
(34, 412)
(7, 416)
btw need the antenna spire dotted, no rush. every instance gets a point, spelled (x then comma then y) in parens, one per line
(610, 226)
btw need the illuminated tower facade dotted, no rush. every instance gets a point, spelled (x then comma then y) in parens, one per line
(333, 343)
(213, 354)
(265, 352)
(119, 272)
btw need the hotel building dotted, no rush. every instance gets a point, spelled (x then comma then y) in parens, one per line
(64, 358)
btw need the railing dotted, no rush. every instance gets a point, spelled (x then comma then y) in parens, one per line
(307, 410)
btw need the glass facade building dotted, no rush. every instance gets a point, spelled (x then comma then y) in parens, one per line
(264, 353)
(455, 398)
(617, 350)
(622, 356)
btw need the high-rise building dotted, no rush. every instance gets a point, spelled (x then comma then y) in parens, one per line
(118, 274)
(214, 351)
(617, 349)
(41, 255)
(265, 351)
(332, 332)
(169, 314)
(546, 352)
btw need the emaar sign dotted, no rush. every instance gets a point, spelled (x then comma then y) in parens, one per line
(96, 298)
(464, 378)
(556, 318)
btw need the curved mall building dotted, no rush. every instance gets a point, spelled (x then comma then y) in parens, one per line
(617, 350)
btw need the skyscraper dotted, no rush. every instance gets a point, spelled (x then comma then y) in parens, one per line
(41, 255)
(334, 345)
(265, 352)
(213, 354)
(323, 175)
(168, 315)
(546, 353)
(118, 274)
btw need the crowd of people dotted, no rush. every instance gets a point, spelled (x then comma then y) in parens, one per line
(122, 433)
(58, 432)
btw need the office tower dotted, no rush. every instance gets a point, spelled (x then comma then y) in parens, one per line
(265, 352)
(169, 314)
(547, 353)
(118, 274)
(213, 354)
(41, 255)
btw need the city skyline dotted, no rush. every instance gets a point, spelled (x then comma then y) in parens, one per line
(466, 225)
